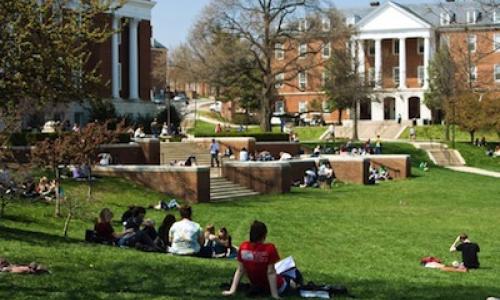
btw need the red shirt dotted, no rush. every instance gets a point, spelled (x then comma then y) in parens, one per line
(105, 231)
(255, 257)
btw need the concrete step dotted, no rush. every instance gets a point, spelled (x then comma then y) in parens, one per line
(229, 197)
(222, 189)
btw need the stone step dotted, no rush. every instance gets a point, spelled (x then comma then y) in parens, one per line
(230, 197)
(223, 189)
(233, 189)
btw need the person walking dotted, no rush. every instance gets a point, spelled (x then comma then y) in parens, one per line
(214, 153)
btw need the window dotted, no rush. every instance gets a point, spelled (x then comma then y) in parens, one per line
(302, 106)
(325, 24)
(445, 18)
(496, 16)
(302, 80)
(395, 75)
(371, 48)
(421, 75)
(279, 107)
(497, 73)
(280, 78)
(444, 41)
(325, 106)
(303, 25)
(324, 78)
(352, 20)
(473, 73)
(395, 47)
(279, 53)
(420, 46)
(371, 76)
(496, 43)
(471, 41)
(471, 17)
(326, 50)
(302, 50)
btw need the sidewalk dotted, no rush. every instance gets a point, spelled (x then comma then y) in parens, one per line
(476, 171)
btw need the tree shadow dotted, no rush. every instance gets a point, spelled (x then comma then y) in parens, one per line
(34, 237)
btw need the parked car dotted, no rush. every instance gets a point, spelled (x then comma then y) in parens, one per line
(216, 106)
(181, 97)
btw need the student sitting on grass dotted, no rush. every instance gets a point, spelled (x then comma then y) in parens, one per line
(185, 235)
(105, 233)
(223, 245)
(256, 260)
(325, 174)
(310, 179)
(162, 239)
(469, 252)
(133, 236)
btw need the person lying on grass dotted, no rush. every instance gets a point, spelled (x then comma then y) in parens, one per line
(469, 252)
(32, 268)
(256, 260)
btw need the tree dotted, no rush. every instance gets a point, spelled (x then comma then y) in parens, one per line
(262, 26)
(490, 105)
(469, 113)
(346, 86)
(442, 85)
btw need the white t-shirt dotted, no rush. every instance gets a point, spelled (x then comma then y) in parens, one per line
(184, 236)
(243, 155)
(286, 156)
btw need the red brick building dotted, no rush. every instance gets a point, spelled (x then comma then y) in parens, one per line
(396, 43)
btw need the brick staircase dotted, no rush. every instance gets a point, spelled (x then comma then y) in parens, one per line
(441, 155)
(181, 151)
(222, 189)
(388, 130)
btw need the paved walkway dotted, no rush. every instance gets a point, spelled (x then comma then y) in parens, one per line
(477, 171)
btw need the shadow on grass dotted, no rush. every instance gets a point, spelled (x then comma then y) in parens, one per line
(33, 237)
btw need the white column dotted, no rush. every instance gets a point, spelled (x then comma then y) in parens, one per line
(402, 63)
(378, 63)
(133, 60)
(115, 84)
(361, 57)
(427, 57)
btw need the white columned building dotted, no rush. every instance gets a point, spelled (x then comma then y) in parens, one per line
(393, 22)
(115, 59)
(133, 59)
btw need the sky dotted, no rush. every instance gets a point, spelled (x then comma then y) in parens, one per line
(172, 19)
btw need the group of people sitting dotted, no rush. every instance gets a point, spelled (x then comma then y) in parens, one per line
(319, 177)
(179, 237)
(378, 174)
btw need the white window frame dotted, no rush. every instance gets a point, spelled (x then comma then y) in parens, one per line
(496, 73)
(325, 24)
(471, 17)
(327, 47)
(302, 106)
(420, 47)
(445, 18)
(371, 75)
(302, 50)
(279, 52)
(421, 75)
(302, 79)
(324, 77)
(496, 16)
(325, 106)
(279, 104)
(370, 44)
(473, 73)
(395, 42)
(280, 80)
(303, 25)
(469, 39)
(496, 42)
(395, 75)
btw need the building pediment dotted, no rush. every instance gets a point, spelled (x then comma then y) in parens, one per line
(391, 17)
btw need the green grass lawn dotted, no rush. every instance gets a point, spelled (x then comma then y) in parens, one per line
(369, 238)
(437, 133)
(476, 157)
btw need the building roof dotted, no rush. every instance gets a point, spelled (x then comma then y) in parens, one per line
(158, 45)
(431, 12)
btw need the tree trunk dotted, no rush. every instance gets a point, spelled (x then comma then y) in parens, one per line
(265, 110)
(89, 182)
(447, 132)
(3, 204)
(57, 211)
(355, 119)
(472, 133)
(66, 223)
(340, 116)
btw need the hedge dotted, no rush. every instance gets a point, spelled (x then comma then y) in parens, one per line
(30, 138)
(259, 137)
